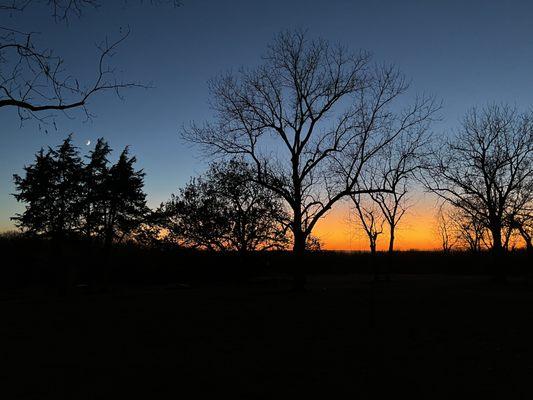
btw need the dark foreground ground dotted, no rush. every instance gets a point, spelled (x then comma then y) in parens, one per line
(435, 336)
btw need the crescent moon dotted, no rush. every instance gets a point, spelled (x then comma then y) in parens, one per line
(88, 143)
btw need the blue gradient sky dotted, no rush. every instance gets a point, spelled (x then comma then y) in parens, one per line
(464, 52)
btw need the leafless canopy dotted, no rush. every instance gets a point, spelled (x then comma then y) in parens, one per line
(457, 229)
(34, 80)
(309, 119)
(444, 229)
(369, 217)
(394, 169)
(62, 10)
(486, 169)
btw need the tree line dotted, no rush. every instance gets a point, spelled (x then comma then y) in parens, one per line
(484, 173)
(67, 196)
(313, 125)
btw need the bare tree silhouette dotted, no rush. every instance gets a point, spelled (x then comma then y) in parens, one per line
(394, 169)
(309, 119)
(63, 10)
(33, 79)
(470, 232)
(370, 218)
(60, 9)
(444, 229)
(486, 169)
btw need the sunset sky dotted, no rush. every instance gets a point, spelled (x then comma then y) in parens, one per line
(465, 53)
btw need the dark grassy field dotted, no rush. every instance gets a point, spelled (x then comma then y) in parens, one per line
(431, 335)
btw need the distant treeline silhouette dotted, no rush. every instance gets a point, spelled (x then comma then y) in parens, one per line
(312, 126)
(69, 198)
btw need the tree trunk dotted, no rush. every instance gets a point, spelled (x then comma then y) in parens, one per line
(387, 265)
(497, 253)
(391, 239)
(300, 236)
(373, 261)
(527, 238)
(298, 251)
(496, 232)
(372, 247)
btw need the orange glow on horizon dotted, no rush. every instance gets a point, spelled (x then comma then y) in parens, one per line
(416, 230)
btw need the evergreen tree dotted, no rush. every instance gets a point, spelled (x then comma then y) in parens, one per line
(34, 190)
(52, 191)
(96, 179)
(65, 197)
(68, 187)
(126, 202)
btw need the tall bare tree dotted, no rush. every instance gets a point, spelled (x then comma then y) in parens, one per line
(486, 169)
(309, 120)
(370, 218)
(394, 169)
